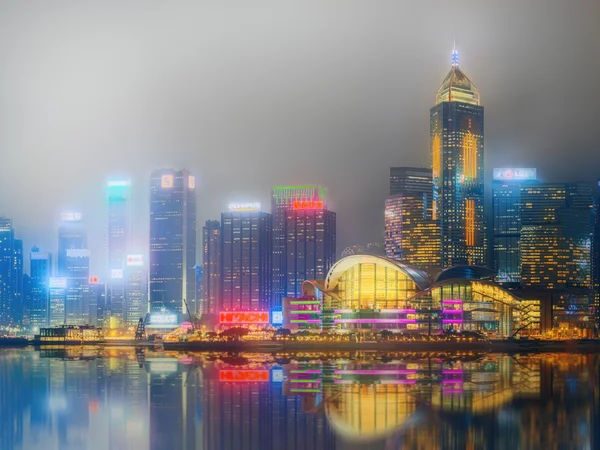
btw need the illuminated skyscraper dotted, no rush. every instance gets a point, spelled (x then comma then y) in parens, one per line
(7, 237)
(456, 125)
(57, 295)
(71, 235)
(119, 235)
(77, 274)
(172, 240)
(211, 266)
(17, 280)
(411, 234)
(304, 238)
(246, 234)
(506, 207)
(556, 236)
(136, 289)
(40, 269)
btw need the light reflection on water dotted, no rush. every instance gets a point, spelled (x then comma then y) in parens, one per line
(120, 398)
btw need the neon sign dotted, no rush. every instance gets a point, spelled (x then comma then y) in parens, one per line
(246, 376)
(244, 206)
(135, 260)
(520, 174)
(117, 183)
(93, 279)
(277, 317)
(306, 204)
(244, 317)
(70, 216)
(191, 182)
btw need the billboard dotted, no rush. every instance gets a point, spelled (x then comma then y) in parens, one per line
(135, 260)
(70, 217)
(277, 317)
(38, 256)
(308, 204)
(116, 273)
(163, 320)
(57, 283)
(241, 317)
(245, 206)
(246, 376)
(191, 182)
(518, 174)
(166, 181)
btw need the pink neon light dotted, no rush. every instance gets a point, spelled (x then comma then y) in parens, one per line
(452, 311)
(453, 302)
(397, 381)
(402, 311)
(452, 391)
(374, 372)
(313, 321)
(342, 311)
(452, 321)
(374, 321)
(452, 371)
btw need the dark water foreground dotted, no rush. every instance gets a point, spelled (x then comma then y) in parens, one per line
(125, 398)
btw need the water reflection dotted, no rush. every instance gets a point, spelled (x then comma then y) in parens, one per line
(96, 398)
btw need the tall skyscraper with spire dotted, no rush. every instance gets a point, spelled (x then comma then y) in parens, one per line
(456, 127)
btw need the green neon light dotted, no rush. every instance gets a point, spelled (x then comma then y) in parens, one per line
(305, 311)
(304, 381)
(298, 321)
(306, 390)
(305, 303)
(300, 371)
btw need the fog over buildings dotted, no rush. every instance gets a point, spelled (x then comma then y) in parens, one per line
(248, 96)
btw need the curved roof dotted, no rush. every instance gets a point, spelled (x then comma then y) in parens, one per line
(457, 87)
(467, 272)
(420, 277)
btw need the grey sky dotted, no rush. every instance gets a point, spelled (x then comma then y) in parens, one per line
(251, 94)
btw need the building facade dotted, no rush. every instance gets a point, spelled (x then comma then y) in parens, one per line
(411, 233)
(57, 298)
(119, 241)
(71, 235)
(7, 237)
(40, 270)
(457, 133)
(304, 238)
(506, 221)
(172, 240)
(211, 266)
(136, 289)
(77, 310)
(246, 234)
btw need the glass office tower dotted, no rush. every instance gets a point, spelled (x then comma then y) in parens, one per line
(456, 128)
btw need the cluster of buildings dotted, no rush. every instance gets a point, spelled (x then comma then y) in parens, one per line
(531, 262)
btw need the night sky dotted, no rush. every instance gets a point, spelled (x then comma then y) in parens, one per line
(252, 94)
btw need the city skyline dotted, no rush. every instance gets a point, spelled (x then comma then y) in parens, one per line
(366, 106)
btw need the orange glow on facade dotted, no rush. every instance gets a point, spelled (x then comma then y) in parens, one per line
(470, 222)
(308, 204)
(436, 155)
(470, 156)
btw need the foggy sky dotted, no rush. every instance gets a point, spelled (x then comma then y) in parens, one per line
(252, 94)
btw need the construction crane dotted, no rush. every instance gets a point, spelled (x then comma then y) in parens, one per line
(193, 320)
(140, 331)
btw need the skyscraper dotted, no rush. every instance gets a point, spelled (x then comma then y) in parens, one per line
(71, 235)
(506, 208)
(211, 266)
(411, 234)
(556, 236)
(40, 269)
(172, 240)
(246, 234)
(136, 289)
(17, 281)
(7, 237)
(119, 235)
(57, 297)
(77, 311)
(304, 238)
(456, 127)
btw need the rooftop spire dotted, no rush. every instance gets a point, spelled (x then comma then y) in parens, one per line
(454, 56)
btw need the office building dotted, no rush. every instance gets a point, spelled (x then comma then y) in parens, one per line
(71, 235)
(17, 281)
(199, 301)
(57, 298)
(95, 299)
(77, 311)
(506, 222)
(456, 127)
(7, 237)
(40, 270)
(172, 241)
(304, 238)
(211, 267)
(246, 234)
(136, 289)
(119, 236)
(556, 236)
(411, 233)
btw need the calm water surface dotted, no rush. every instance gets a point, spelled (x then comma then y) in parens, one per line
(99, 398)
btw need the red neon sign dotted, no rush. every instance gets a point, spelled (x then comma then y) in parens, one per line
(305, 204)
(93, 279)
(246, 376)
(244, 317)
